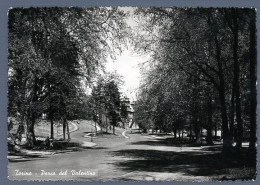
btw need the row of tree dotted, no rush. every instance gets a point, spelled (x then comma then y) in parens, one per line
(52, 53)
(106, 105)
(202, 73)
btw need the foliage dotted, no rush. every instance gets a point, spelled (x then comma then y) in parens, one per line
(52, 51)
(198, 60)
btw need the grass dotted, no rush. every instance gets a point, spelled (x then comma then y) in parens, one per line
(198, 161)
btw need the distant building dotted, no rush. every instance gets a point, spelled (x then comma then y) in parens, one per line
(129, 123)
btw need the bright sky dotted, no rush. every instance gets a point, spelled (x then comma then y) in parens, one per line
(126, 64)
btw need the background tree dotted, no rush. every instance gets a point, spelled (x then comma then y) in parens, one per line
(113, 103)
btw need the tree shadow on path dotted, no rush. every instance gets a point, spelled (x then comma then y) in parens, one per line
(200, 161)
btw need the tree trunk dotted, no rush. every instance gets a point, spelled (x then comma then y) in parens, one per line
(114, 129)
(252, 69)
(236, 81)
(209, 136)
(30, 121)
(52, 130)
(50, 111)
(101, 123)
(227, 144)
(232, 109)
(175, 133)
(216, 131)
(31, 141)
(190, 131)
(64, 128)
(22, 126)
(195, 109)
(95, 127)
(197, 130)
(197, 135)
(68, 129)
(209, 124)
(106, 125)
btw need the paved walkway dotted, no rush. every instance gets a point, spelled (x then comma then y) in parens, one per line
(139, 157)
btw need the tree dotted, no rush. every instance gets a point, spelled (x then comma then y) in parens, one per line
(51, 51)
(123, 112)
(113, 103)
(252, 69)
(209, 49)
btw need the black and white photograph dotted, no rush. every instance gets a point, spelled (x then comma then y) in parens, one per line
(132, 94)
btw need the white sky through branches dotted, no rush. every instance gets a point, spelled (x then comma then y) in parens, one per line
(127, 63)
(127, 66)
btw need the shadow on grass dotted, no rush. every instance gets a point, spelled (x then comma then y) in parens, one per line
(204, 161)
(23, 157)
(58, 148)
(169, 142)
(82, 148)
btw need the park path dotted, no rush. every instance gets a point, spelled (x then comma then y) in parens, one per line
(96, 158)
(115, 157)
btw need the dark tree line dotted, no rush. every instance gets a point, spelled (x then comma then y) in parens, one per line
(202, 73)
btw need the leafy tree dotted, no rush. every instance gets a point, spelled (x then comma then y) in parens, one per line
(123, 112)
(51, 51)
(209, 50)
(113, 103)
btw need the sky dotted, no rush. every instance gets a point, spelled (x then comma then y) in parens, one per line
(127, 63)
(127, 66)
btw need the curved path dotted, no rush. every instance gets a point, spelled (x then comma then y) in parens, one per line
(115, 157)
(96, 158)
(124, 134)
